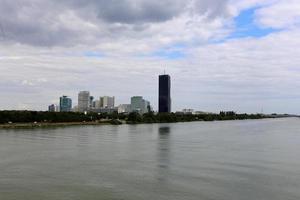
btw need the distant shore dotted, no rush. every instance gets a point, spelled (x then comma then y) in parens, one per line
(52, 124)
(95, 123)
(39, 119)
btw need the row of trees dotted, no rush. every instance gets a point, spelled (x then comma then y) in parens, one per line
(35, 116)
(150, 117)
(174, 117)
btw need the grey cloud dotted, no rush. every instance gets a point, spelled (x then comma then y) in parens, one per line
(144, 11)
(44, 23)
(141, 12)
(212, 8)
(33, 22)
(131, 11)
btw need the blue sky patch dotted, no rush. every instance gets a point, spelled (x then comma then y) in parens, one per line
(93, 54)
(172, 52)
(246, 26)
(169, 54)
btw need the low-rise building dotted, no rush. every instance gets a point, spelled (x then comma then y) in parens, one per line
(124, 108)
(187, 111)
(53, 108)
(105, 110)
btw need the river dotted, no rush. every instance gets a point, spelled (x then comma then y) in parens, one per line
(224, 160)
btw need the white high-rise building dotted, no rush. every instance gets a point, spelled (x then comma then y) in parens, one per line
(83, 101)
(107, 102)
(97, 104)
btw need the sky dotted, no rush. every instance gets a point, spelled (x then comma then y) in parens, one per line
(240, 55)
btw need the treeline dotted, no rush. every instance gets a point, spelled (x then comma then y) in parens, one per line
(58, 117)
(38, 116)
(178, 117)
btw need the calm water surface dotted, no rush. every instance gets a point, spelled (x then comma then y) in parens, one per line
(233, 160)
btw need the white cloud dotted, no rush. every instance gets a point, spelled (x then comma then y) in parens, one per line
(241, 74)
(278, 14)
(283, 14)
(26, 82)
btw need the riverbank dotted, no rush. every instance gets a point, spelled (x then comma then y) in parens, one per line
(35, 119)
(94, 123)
(56, 124)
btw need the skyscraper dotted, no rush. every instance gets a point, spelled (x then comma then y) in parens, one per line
(137, 104)
(83, 101)
(107, 102)
(65, 104)
(140, 105)
(97, 104)
(164, 99)
(91, 100)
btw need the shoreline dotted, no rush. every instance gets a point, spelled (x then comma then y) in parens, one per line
(11, 119)
(94, 123)
(47, 125)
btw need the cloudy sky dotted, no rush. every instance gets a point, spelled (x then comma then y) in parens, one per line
(241, 55)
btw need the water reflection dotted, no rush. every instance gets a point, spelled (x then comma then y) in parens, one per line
(165, 130)
(163, 152)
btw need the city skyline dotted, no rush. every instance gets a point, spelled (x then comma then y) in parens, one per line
(236, 55)
(102, 104)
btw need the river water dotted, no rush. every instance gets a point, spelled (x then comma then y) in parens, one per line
(228, 160)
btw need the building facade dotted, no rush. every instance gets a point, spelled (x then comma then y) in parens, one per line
(91, 102)
(83, 101)
(124, 108)
(97, 104)
(139, 105)
(107, 102)
(164, 96)
(53, 108)
(65, 104)
(188, 111)
(105, 110)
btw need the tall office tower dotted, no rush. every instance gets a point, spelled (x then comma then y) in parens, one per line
(101, 102)
(83, 101)
(148, 107)
(91, 99)
(65, 104)
(107, 102)
(164, 99)
(140, 105)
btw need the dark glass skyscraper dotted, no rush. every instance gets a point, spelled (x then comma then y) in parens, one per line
(164, 99)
